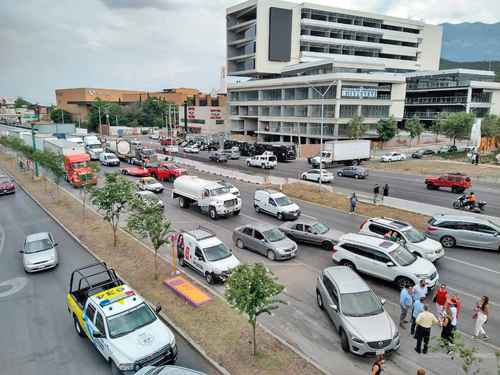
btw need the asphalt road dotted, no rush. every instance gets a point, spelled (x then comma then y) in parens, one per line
(469, 273)
(37, 334)
(403, 186)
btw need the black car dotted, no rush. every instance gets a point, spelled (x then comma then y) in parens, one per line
(419, 154)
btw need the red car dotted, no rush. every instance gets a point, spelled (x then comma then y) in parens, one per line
(458, 182)
(167, 142)
(135, 171)
(7, 185)
(165, 171)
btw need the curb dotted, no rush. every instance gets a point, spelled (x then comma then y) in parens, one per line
(176, 328)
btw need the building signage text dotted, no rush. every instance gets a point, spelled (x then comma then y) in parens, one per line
(359, 92)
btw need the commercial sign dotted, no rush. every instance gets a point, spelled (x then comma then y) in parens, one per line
(359, 92)
(191, 113)
(215, 113)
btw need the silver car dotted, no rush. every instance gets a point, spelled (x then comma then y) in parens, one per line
(354, 171)
(358, 315)
(39, 252)
(311, 232)
(265, 239)
(467, 231)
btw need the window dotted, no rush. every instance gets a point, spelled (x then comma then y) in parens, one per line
(90, 312)
(378, 229)
(99, 323)
(449, 225)
(198, 253)
(381, 257)
(331, 289)
(308, 229)
(247, 231)
(481, 228)
(299, 227)
(258, 235)
(219, 122)
(197, 121)
(272, 202)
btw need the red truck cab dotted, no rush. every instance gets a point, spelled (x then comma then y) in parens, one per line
(167, 142)
(457, 182)
(78, 173)
(165, 171)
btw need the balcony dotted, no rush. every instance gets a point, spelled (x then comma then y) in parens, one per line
(454, 100)
(423, 115)
(436, 85)
(482, 98)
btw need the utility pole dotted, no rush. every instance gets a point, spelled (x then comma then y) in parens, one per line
(62, 115)
(34, 148)
(116, 120)
(100, 127)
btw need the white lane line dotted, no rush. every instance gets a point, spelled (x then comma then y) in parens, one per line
(2, 238)
(472, 265)
(309, 217)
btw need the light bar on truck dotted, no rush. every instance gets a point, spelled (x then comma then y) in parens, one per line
(118, 297)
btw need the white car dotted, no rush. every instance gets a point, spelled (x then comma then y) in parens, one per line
(109, 159)
(414, 240)
(39, 252)
(314, 175)
(192, 149)
(154, 136)
(276, 204)
(393, 156)
(150, 184)
(201, 250)
(264, 161)
(383, 259)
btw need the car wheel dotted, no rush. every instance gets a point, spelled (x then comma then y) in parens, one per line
(319, 300)
(304, 177)
(349, 264)
(240, 244)
(448, 241)
(279, 216)
(356, 176)
(402, 281)
(271, 255)
(327, 245)
(236, 213)
(124, 172)
(78, 327)
(454, 189)
(114, 369)
(344, 343)
(340, 174)
(182, 202)
(212, 213)
(209, 277)
(430, 187)
(257, 209)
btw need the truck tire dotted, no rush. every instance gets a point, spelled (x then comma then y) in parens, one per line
(183, 203)
(279, 216)
(212, 213)
(236, 213)
(78, 327)
(263, 166)
(209, 277)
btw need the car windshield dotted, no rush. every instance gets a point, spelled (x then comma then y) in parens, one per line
(217, 252)
(360, 304)
(94, 146)
(495, 225)
(150, 182)
(402, 256)
(38, 245)
(272, 158)
(414, 236)
(4, 180)
(283, 201)
(273, 235)
(81, 164)
(151, 197)
(320, 228)
(129, 321)
(219, 191)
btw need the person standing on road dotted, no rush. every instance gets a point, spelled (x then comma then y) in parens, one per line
(405, 303)
(385, 191)
(452, 311)
(378, 366)
(447, 331)
(418, 307)
(425, 321)
(481, 314)
(440, 298)
(354, 201)
(376, 192)
(420, 290)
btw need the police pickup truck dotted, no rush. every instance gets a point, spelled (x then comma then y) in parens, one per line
(118, 322)
(201, 250)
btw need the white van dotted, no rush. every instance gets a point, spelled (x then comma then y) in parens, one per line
(267, 160)
(275, 203)
(109, 159)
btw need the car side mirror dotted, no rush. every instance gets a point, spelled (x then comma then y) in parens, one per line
(390, 264)
(55, 244)
(382, 301)
(334, 307)
(21, 251)
(157, 308)
(97, 334)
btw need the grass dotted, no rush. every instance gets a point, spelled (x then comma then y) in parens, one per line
(224, 334)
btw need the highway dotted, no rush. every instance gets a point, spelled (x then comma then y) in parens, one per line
(37, 333)
(469, 273)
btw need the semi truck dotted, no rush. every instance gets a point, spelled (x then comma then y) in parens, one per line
(124, 329)
(129, 151)
(350, 152)
(93, 146)
(210, 197)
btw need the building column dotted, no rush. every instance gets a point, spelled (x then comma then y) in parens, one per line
(338, 96)
(336, 131)
(469, 99)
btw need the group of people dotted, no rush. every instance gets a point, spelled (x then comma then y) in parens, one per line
(377, 195)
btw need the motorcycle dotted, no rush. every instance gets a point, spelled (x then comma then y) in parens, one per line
(461, 204)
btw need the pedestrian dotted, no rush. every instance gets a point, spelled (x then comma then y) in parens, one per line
(481, 315)
(425, 321)
(394, 237)
(388, 235)
(376, 192)
(447, 331)
(476, 158)
(453, 314)
(385, 191)
(378, 366)
(440, 298)
(418, 307)
(457, 302)
(421, 371)
(420, 290)
(354, 202)
(405, 303)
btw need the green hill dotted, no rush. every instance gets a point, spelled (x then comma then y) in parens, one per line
(480, 65)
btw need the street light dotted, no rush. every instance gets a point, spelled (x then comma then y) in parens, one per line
(322, 94)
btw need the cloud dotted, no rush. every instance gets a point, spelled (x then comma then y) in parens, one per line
(141, 4)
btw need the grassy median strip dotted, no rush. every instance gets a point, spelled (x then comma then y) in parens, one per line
(223, 333)
(311, 193)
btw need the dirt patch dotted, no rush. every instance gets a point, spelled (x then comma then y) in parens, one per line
(339, 201)
(216, 327)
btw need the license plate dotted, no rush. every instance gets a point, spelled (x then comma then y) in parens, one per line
(379, 352)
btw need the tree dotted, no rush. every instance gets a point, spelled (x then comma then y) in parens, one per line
(112, 199)
(387, 129)
(56, 115)
(458, 125)
(490, 126)
(414, 127)
(252, 290)
(86, 187)
(21, 102)
(437, 125)
(356, 127)
(458, 350)
(148, 221)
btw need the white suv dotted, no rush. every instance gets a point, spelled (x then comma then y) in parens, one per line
(414, 240)
(266, 160)
(201, 250)
(383, 259)
(276, 204)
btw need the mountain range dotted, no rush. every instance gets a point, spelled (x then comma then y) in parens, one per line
(468, 41)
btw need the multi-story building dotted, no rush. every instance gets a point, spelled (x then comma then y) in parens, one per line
(293, 51)
(430, 94)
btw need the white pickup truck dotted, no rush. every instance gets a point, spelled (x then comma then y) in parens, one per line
(210, 197)
(265, 161)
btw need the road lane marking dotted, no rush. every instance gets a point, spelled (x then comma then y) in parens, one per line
(309, 217)
(2, 238)
(472, 265)
(13, 286)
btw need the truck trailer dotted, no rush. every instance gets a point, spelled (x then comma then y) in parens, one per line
(350, 152)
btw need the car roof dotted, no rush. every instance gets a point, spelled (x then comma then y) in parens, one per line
(37, 236)
(365, 239)
(145, 192)
(393, 223)
(261, 226)
(272, 192)
(467, 218)
(346, 279)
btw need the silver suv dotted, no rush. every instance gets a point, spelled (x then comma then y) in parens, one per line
(357, 313)
(467, 231)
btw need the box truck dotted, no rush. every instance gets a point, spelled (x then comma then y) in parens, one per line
(351, 152)
(93, 146)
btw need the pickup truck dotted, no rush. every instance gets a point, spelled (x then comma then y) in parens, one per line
(117, 321)
(165, 171)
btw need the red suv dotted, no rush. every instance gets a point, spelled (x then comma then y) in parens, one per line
(7, 185)
(458, 182)
(165, 171)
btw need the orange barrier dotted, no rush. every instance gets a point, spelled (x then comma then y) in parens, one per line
(185, 289)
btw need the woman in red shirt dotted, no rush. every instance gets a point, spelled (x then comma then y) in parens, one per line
(440, 298)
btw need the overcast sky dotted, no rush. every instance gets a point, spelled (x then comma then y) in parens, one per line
(149, 44)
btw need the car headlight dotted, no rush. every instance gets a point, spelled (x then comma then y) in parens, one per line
(421, 276)
(355, 339)
(127, 366)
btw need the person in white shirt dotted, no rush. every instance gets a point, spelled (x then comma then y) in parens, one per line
(420, 290)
